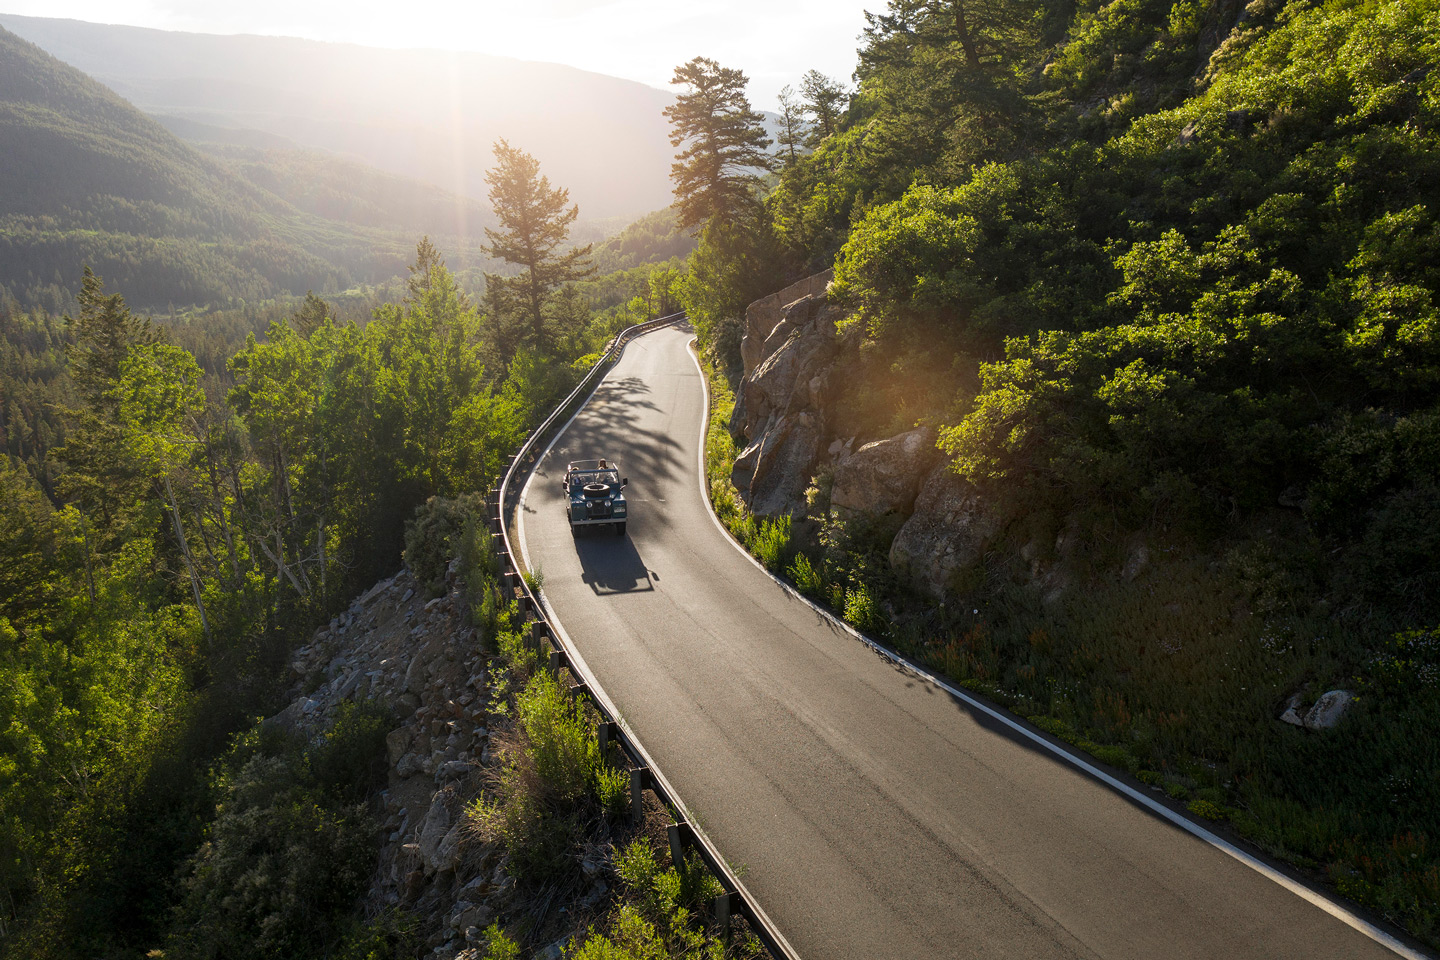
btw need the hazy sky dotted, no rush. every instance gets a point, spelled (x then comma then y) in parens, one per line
(773, 41)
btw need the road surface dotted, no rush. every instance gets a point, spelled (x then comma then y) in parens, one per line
(872, 814)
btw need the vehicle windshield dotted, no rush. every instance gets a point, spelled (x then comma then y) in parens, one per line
(579, 478)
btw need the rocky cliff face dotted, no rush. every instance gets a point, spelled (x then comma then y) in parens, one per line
(780, 407)
(419, 659)
(789, 434)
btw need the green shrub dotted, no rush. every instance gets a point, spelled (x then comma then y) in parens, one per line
(665, 915)
(281, 872)
(499, 946)
(433, 537)
(560, 740)
(1056, 728)
(1206, 810)
(770, 541)
(1115, 756)
(553, 782)
(862, 610)
(349, 759)
(808, 578)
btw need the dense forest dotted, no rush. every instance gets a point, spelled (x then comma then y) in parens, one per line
(1162, 275)
(182, 502)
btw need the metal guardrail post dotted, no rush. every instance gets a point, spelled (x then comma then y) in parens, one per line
(677, 844)
(637, 793)
(722, 913)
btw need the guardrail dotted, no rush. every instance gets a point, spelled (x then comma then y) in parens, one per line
(502, 503)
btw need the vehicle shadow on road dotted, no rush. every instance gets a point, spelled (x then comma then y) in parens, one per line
(610, 564)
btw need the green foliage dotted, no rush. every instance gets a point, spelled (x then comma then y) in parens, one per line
(722, 143)
(771, 542)
(349, 759)
(664, 917)
(535, 221)
(555, 779)
(499, 946)
(286, 858)
(807, 576)
(199, 520)
(862, 610)
(433, 537)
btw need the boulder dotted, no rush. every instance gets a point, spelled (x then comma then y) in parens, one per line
(397, 742)
(773, 473)
(1292, 714)
(447, 852)
(407, 766)
(782, 382)
(762, 316)
(885, 476)
(434, 831)
(948, 531)
(1328, 710)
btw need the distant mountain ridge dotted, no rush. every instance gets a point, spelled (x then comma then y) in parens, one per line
(428, 115)
(89, 179)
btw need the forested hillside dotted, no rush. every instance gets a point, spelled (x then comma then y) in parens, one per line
(182, 503)
(1162, 278)
(89, 179)
(428, 115)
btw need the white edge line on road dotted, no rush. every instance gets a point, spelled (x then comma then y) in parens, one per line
(578, 661)
(1315, 897)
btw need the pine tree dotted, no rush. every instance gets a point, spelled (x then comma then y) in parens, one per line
(825, 100)
(535, 220)
(723, 142)
(794, 132)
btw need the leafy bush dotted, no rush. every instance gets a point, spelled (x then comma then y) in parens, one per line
(281, 871)
(665, 915)
(771, 541)
(809, 578)
(554, 779)
(433, 537)
(861, 609)
(349, 760)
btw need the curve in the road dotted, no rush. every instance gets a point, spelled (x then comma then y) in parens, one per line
(877, 813)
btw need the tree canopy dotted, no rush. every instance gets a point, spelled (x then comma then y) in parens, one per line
(722, 140)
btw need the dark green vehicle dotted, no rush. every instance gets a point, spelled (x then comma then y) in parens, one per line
(593, 495)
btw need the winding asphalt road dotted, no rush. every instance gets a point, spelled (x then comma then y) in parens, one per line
(872, 814)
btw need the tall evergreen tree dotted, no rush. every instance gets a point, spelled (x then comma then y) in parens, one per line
(724, 143)
(794, 131)
(949, 74)
(825, 101)
(100, 476)
(535, 220)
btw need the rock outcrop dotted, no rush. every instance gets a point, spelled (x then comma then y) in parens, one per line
(418, 659)
(885, 476)
(1324, 714)
(780, 408)
(762, 316)
(949, 530)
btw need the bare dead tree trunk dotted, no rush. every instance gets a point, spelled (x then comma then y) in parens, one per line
(189, 559)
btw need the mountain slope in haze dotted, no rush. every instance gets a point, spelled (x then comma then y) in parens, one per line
(90, 179)
(430, 115)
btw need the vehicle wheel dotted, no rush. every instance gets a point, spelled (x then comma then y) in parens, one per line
(620, 529)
